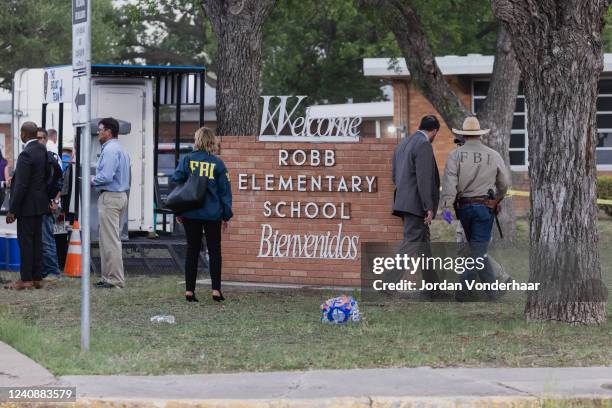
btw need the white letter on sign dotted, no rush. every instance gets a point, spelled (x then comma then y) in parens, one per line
(267, 210)
(242, 181)
(283, 155)
(315, 158)
(295, 155)
(330, 158)
(265, 228)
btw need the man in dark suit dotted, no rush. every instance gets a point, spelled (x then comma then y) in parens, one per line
(29, 201)
(417, 189)
(417, 181)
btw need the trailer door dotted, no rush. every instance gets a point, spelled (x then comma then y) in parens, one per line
(126, 102)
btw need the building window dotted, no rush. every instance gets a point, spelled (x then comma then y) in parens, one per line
(518, 139)
(604, 123)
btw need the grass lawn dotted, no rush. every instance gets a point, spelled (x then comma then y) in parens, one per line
(280, 330)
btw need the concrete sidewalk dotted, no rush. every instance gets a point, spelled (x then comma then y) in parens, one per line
(17, 370)
(393, 387)
(389, 387)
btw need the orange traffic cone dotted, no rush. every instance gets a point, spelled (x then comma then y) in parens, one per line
(73, 259)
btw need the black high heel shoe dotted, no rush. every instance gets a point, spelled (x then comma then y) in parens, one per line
(218, 298)
(191, 298)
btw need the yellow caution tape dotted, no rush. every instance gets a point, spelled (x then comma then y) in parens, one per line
(526, 194)
(518, 193)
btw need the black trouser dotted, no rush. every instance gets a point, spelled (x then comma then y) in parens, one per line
(29, 236)
(417, 241)
(193, 231)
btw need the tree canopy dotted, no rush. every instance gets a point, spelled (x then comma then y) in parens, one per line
(311, 47)
(175, 32)
(37, 33)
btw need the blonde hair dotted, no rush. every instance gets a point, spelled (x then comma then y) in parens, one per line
(206, 140)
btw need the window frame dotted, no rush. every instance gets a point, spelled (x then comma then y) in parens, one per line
(525, 167)
(603, 167)
(514, 167)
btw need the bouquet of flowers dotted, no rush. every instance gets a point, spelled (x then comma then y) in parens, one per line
(340, 310)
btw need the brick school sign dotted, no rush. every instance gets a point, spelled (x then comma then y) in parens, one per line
(302, 209)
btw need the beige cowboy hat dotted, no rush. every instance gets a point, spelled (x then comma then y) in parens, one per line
(471, 127)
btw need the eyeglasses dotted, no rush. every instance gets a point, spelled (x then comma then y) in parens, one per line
(100, 130)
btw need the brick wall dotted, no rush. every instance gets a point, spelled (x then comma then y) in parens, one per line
(370, 212)
(418, 106)
(415, 106)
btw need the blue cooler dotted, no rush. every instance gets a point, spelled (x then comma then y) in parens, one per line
(3, 251)
(13, 260)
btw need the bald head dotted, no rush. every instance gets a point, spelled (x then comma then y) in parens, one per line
(28, 131)
(52, 135)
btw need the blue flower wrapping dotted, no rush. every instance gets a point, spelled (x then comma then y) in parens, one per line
(340, 310)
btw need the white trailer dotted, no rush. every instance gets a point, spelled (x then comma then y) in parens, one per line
(130, 93)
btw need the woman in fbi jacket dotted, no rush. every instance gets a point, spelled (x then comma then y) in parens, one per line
(212, 216)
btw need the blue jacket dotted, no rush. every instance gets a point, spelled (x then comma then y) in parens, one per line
(218, 202)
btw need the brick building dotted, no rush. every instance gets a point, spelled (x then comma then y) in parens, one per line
(303, 220)
(469, 78)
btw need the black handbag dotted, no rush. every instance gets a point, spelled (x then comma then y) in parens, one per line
(188, 196)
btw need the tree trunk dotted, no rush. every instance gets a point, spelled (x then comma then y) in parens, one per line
(499, 106)
(238, 27)
(497, 115)
(559, 48)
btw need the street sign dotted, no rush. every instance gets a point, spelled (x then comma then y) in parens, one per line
(57, 84)
(81, 61)
(81, 97)
(80, 36)
(80, 110)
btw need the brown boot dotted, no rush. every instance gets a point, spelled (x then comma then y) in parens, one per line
(19, 285)
(38, 284)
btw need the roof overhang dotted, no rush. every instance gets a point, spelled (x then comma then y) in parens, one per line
(471, 64)
(351, 110)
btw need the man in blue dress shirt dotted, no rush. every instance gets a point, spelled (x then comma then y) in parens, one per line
(112, 179)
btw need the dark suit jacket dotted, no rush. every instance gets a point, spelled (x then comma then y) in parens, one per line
(416, 177)
(29, 185)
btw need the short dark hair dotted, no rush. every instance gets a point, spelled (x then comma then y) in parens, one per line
(43, 131)
(429, 123)
(29, 129)
(112, 125)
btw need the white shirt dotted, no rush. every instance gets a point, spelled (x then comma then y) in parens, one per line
(52, 147)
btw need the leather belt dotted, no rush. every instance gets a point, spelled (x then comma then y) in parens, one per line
(473, 200)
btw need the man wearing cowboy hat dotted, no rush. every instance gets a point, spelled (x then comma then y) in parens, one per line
(471, 171)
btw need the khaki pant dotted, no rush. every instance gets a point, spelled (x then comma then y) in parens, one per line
(111, 207)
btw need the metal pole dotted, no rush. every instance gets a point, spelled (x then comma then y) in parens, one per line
(77, 185)
(156, 107)
(177, 140)
(85, 209)
(85, 235)
(44, 116)
(60, 130)
(202, 101)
